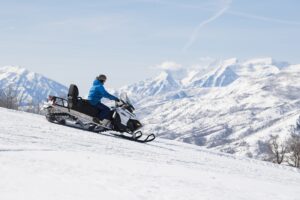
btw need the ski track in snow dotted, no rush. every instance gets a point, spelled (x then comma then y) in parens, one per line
(40, 160)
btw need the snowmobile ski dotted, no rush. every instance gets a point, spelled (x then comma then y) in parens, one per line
(149, 138)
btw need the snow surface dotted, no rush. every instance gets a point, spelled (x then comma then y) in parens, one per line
(41, 161)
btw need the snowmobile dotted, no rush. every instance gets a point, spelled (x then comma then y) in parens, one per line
(77, 112)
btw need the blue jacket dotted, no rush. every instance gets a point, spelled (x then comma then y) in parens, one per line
(97, 92)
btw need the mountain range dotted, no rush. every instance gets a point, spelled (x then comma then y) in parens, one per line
(233, 107)
(230, 105)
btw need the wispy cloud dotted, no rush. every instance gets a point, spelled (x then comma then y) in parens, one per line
(173, 66)
(95, 24)
(225, 5)
(177, 70)
(169, 65)
(263, 18)
(203, 6)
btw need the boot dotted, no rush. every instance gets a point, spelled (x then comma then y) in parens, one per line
(96, 120)
(106, 123)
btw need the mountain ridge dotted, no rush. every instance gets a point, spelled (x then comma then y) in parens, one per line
(30, 86)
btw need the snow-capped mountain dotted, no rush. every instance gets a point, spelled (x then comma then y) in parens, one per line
(30, 86)
(219, 76)
(259, 68)
(161, 84)
(266, 61)
(234, 116)
(45, 161)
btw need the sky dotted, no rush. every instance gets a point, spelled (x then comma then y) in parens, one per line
(73, 41)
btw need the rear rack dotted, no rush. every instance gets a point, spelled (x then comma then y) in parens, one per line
(58, 101)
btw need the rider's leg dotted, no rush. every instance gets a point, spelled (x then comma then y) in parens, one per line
(104, 111)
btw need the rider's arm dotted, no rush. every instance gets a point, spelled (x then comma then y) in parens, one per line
(107, 95)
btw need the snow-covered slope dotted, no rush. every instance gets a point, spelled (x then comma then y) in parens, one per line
(41, 161)
(30, 86)
(233, 117)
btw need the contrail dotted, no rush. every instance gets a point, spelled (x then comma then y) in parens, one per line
(195, 33)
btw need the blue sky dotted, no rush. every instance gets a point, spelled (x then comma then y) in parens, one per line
(72, 41)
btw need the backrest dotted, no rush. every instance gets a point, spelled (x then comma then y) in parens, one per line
(73, 96)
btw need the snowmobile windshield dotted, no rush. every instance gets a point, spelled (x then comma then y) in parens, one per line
(125, 99)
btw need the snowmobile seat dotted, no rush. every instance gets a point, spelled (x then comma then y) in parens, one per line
(73, 96)
(80, 105)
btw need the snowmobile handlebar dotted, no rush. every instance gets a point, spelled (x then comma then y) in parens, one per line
(124, 104)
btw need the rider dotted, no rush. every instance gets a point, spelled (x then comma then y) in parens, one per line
(97, 92)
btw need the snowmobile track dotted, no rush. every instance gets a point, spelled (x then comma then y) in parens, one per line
(149, 138)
